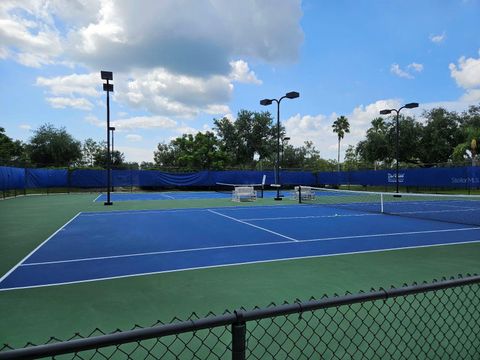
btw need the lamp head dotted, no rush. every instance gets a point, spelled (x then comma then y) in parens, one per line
(286, 138)
(292, 95)
(112, 128)
(411, 105)
(385, 111)
(266, 102)
(106, 75)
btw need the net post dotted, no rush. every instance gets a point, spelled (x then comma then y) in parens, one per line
(299, 194)
(239, 330)
(381, 203)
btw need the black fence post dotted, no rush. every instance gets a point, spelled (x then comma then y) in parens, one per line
(239, 330)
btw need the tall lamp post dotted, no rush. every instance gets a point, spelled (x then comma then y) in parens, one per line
(266, 102)
(108, 75)
(286, 138)
(397, 130)
(112, 129)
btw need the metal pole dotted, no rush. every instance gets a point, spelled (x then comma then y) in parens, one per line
(108, 202)
(239, 330)
(277, 175)
(113, 153)
(398, 112)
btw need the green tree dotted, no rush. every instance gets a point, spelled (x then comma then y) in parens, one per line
(164, 156)
(50, 146)
(201, 151)
(191, 152)
(375, 148)
(409, 144)
(100, 157)
(11, 151)
(441, 134)
(251, 133)
(89, 149)
(341, 126)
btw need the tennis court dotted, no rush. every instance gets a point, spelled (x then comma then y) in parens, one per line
(105, 245)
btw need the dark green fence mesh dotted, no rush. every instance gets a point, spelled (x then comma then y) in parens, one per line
(439, 320)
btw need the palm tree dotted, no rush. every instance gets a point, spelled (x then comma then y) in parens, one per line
(340, 127)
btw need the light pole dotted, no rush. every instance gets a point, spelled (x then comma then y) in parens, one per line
(286, 138)
(108, 75)
(112, 129)
(266, 102)
(397, 128)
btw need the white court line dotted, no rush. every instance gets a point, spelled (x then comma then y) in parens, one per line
(255, 226)
(38, 247)
(311, 217)
(240, 264)
(168, 196)
(97, 198)
(244, 245)
(432, 211)
(393, 234)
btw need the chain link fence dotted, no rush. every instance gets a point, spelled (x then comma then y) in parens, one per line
(438, 320)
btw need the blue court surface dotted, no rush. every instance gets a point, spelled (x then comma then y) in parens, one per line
(105, 245)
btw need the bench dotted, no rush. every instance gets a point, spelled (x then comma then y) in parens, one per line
(307, 192)
(244, 193)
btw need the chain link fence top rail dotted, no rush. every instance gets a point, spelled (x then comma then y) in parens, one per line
(438, 320)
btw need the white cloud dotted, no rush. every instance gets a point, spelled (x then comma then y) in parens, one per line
(93, 120)
(160, 64)
(242, 73)
(27, 30)
(185, 129)
(127, 36)
(395, 69)
(467, 72)
(25, 127)
(406, 73)
(438, 39)
(144, 122)
(415, 67)
(65, 102)
(155, 34)
(318, 128)
(471, 96)
(136, 154)
(168, 94)
(74, 84)
(133, 137)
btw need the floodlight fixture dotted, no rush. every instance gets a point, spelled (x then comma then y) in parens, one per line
(286, 138)
(385, 112)
(411, 105)
(266, 102)
(106, 75)
(108, 87)
(292, 95)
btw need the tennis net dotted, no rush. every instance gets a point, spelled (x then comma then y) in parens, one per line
(459, 209)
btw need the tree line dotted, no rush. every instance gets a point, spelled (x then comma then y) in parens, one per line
(250, 142)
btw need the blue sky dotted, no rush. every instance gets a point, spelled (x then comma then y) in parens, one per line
(178, 64)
